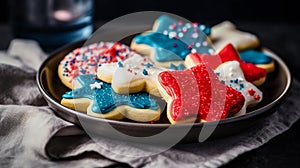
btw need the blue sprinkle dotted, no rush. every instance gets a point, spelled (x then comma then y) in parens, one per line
(145, 72)
(148, 65)
(242, 86)
(236, 81)
(82, 71)
(99, 65)
(218, 73)
(84, 57)
(231, 81)
(120, 65)
(223, 81)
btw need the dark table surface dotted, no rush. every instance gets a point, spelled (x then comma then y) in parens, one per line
(283, 39)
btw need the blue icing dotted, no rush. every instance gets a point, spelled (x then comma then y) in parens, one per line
(255, 57)
(179, 67)
(105, 99)
(173, 40)
(164, 49)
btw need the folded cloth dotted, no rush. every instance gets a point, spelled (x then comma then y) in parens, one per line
(33, 136)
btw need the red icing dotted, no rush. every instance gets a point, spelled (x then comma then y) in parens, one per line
(194, 98)
(228, 53)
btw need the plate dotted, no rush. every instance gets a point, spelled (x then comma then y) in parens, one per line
(275, 90)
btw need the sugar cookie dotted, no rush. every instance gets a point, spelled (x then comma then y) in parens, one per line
(97, 98)
(253, 74)
(197, 94)
(226, 32)
(171, 40)
(231, 74)
(132, 75)
(258, 58)
(85, 60)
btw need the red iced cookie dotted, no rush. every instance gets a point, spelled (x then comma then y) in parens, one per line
(252, 73)
(197, 94)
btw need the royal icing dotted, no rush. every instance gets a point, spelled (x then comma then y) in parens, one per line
(174, 39)
(255, 57)
(231, 75)
(226, 32)
(197, 92)
(105, 99)
(133, 68)
(86, 60)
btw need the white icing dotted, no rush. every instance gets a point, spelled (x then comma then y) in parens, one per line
(130, 69)
(226, 32)
(232, 75)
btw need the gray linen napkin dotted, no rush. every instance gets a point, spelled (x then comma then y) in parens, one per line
(31, 135)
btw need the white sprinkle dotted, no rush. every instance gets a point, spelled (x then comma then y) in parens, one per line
(202, 27)
(204, 43)
(193, 50)
(180, 34)
(172, 34)
(165, 32)
(188, 25)
(211, 51)
(195, 35)
(184, 29)
(198, 44)
(96, 85)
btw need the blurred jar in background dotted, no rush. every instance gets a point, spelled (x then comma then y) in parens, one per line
(52, 23)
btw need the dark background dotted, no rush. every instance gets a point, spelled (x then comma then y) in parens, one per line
(199, 10)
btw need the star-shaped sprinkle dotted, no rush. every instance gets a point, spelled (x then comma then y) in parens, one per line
(174, 39)
(96, 85)
(197, 94)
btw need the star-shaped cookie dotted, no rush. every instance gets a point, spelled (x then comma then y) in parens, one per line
(171, 40)
(97, 98)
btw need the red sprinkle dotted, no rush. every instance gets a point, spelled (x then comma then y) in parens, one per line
(257, 97)
(251, 92)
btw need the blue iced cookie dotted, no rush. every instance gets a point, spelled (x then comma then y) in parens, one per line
(171, 40)
(260, 59)
(98, 99)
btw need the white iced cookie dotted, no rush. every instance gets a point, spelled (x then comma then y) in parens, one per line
(226, 32)
(133, 75)
(231, 75)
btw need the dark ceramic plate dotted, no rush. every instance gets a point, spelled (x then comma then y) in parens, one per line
(274, 89)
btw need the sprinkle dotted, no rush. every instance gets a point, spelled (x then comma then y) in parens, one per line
(198, 44)
(195, 35)
(257, 97)
(174, 45)
(204, 43)
(193, 51)
(180, 35)
(145, 72)
(172, 34)
(120, 65)
(251, 92)
(165, 32)
(148, 65)
(96, 85)
(202, 27)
